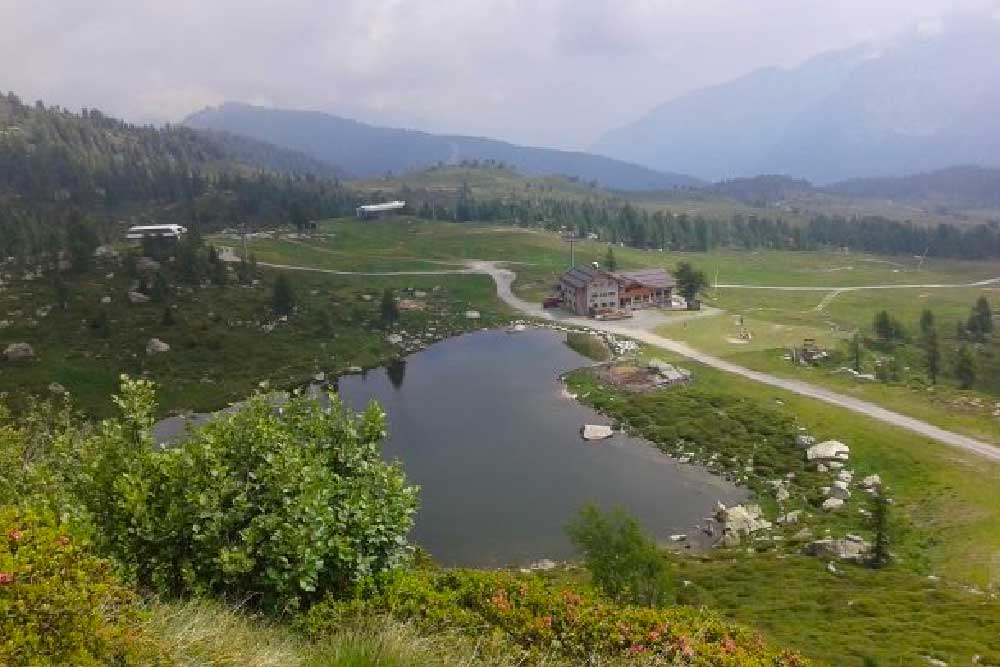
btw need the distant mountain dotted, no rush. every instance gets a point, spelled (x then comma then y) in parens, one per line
(928, 101)
(263, 156)
(967, 185)
(368, 150)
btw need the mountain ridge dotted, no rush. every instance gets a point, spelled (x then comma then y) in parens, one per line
(368, 150)
(922, 103)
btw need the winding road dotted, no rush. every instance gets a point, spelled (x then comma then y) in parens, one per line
(641, 328)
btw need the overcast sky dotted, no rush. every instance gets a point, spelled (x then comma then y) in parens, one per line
(554, 73)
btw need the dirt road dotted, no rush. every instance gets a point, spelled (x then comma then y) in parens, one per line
(641, 328)
(640, 331)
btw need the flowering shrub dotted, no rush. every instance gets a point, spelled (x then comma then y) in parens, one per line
(542, 616)
(59, 604)
(278, 506)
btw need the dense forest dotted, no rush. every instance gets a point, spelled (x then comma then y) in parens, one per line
(57, 166)
(618, 221)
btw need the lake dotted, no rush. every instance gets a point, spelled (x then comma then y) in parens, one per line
(482, 424)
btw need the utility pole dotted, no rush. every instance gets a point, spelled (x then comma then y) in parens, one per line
(572, 248)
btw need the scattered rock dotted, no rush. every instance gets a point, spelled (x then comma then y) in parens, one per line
(367, 297)
(871, 482)
(596, 432)
(137, 297)
(472, 315)
(829, 451)
(147, 265)
(57, 388)
(851, 548)
(839, 490)
(782, 495)
(103, 251)
(18, 352)
(789, 518)
(833, 503)
(544, 565)
(355, 369)
(394, 339)
(934, 662)
(740, 521)
(105, 300)
(156, 346)
(804, 441)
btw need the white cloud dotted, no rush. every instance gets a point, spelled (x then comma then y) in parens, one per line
(556, 72)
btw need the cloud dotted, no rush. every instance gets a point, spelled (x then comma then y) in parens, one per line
(553, 72)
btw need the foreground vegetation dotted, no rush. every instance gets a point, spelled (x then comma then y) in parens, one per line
(113, 549)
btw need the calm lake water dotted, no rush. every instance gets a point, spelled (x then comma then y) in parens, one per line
(481, 423)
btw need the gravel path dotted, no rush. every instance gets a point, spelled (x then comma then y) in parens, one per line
(633, 329)
(641, 328)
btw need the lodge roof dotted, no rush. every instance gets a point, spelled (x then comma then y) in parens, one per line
(658, 278)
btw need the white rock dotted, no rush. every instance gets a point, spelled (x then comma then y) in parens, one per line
(830, 450)
(871, 481)
(789, 518)
(57, 388)
(804, 440)
(472, 315)
(782, 495)
(105, 300)
(156, 346)
(851, 548)
(137, 297)
(596, 432)
(839, 490)
(833, 503)
(394, 339)
(18, 352)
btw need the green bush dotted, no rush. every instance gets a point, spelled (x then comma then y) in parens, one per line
(276, 505)
(543, 617)
(623, 561)
(59, 604)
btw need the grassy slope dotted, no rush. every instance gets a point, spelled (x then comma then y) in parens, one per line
(947, 518)
(779, 320)
(219, 353)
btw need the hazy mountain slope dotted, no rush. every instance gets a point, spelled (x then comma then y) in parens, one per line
(368, 150)
(973, 186)
(927, 101)
(263, 156)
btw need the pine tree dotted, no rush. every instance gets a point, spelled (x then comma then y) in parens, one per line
(610, 262)
(283, 296)
(880, 555)
(926, 322)
(965, 367)
(984, 315)
(933, 351)
(389, 308)
(857, 348)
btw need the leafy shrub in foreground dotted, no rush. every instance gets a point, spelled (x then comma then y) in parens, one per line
(59, 604)
(542, 616)
(278, 505)
(623, 561)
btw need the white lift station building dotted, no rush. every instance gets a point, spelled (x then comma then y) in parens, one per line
(380, 210)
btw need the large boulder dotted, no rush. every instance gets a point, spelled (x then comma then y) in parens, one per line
(827, 452)
(596, 432)
(740, 521)
(851, 548)
(18, 352)
(156, 346)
